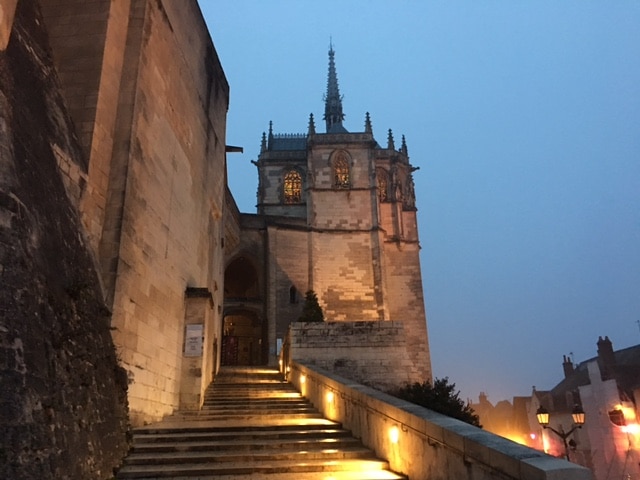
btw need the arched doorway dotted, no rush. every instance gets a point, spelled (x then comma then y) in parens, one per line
(242, 342)
(244, 334)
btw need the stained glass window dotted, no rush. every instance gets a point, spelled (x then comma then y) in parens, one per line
(341, 171)
(292, 187)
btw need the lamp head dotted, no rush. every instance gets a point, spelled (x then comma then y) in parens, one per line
(578, 415)
(542, 414)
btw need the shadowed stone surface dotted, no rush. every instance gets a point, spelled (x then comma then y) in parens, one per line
(63, 407)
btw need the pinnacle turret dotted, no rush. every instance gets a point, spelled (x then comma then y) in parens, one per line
(312, 125)
(390, 143)
(263, 144)
(367, 124)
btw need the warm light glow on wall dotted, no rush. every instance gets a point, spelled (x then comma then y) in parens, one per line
(303, 378)
(517, 438)
(628, 412)
(545, 444)
(330, 397)
(632, 428)
(394, 434)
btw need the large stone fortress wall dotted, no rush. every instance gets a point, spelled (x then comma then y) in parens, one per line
(147, 99)
(63, 397)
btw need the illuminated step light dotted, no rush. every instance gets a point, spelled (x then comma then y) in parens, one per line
(394, 434)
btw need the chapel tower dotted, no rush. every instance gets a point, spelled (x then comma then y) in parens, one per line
(338, 214)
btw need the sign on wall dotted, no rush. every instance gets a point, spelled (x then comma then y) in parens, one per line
(193, 341)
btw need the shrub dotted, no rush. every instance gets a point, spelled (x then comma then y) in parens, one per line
(311, 311)
(440, 397)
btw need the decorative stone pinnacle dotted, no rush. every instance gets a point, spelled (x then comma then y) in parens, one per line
(367, 124)
(263, 145)
(312, 125)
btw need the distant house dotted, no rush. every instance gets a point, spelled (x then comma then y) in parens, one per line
(607, 387)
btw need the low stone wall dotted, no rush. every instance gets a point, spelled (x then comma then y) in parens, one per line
(370, 352)
(427, 445)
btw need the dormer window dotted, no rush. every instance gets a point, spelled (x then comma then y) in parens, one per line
(292, 187)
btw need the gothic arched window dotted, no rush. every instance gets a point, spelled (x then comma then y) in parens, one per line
(341, 171)
(292, 187)
(383, 184)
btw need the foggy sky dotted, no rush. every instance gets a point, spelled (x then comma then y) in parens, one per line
(524, 118)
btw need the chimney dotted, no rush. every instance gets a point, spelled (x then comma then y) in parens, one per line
(567, 365)
(606, 359)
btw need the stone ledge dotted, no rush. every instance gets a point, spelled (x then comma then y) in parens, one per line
(430, 442)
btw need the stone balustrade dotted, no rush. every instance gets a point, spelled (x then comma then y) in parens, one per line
(420, 443)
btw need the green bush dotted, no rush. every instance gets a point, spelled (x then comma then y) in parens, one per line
(311, 311)
(440, 397)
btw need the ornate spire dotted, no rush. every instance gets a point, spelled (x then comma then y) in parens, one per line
(312, 125)
(403, 148)
(332, 100)
(390, 144)
(367, 124)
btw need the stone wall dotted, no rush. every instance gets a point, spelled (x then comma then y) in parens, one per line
(420, 443)
(373, 353)
(288, 267)
(163, 229)
(405, 299)
(63, 407)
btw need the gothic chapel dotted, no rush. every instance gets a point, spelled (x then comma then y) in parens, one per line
(336, 215)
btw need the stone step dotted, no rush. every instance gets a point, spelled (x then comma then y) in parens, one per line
(247, 416)
(245, 393)
(251, 428)
(189, 445)
(291, 402)
(180, 426)
(293, 455)
(252, 395)
(240, 435)
(248, 468)
(266, 410)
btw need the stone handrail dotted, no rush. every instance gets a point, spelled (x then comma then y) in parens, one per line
(420, 443)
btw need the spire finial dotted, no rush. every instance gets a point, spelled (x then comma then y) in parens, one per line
(270, 137)
(312, 125)
(390, 143)
(333, 115)
(403, 148)
(367, 124)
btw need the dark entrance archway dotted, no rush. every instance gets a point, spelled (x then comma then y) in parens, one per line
(244, 333)
(242, 339)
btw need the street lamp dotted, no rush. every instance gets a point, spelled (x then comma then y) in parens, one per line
(578, 419)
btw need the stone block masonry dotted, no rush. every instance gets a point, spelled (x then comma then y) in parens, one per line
(63, 406)
(370, 352)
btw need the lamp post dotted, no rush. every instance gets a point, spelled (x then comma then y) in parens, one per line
(578, 419)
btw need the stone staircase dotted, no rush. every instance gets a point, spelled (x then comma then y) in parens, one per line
(252, 425)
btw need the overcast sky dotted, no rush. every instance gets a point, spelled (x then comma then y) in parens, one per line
(524, 118)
